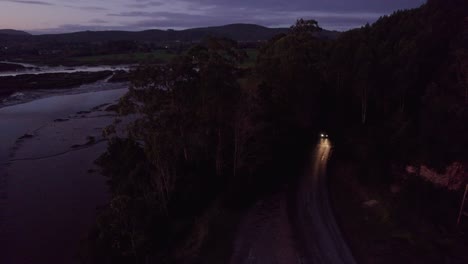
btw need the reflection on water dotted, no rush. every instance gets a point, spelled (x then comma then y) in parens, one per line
(33, 69)
(32, 95)
(17, 120)
(47, 204)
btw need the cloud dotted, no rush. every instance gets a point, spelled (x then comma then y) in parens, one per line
(163, 19)
(132, 14)
(144, 4)
(143, 14)
(88, 8)
(331, 14)
(92, 8)
(317, 5)
(98, 21)
(29, 2)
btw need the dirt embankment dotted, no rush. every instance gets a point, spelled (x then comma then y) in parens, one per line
(265, 234)
(13, 84)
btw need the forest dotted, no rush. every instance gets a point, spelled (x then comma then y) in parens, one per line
(213, 137)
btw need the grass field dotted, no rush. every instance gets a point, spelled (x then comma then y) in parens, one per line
(160, 55)
(252, 58)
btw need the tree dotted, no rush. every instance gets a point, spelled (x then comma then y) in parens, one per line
(305, 27)
(184, 155)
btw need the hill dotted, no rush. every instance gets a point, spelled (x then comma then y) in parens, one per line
(13, 32)
(235, 31)
(238, 32)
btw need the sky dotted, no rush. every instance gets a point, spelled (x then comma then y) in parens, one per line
(56, 16)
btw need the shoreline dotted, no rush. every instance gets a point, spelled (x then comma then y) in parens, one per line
(50, 145)
(10, 97)
(33, 95)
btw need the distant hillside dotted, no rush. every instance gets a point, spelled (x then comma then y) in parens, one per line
(239, 32)
(13, 32)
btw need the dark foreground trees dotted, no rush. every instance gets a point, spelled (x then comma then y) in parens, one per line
(399, 78)
(178, 157)
(210, 134)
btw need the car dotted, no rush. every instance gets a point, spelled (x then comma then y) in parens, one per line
(323, 135)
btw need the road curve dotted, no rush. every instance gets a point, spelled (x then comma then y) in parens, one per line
(295, 226)
(319, 234)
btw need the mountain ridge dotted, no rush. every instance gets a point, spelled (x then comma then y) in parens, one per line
(13, 32)
(238, 32)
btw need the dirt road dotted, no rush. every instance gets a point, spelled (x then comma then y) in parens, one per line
(295, 226)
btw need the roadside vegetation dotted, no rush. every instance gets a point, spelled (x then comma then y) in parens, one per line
(213, 137)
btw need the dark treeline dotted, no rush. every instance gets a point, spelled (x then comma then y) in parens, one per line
(56, 48)
(404, 78)
(213, 135)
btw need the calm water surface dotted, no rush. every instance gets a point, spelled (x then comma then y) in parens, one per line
(34, 69)
(48, 194)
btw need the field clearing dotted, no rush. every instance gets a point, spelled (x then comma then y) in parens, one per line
(252, 58)
(159, 55)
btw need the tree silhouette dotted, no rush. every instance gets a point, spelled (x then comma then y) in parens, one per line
(305, 27)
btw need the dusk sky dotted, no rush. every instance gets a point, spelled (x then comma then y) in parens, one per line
(52, 16)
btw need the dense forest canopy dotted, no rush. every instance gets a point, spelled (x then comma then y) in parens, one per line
(211, 134)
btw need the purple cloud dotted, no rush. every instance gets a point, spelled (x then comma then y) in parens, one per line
(144, 14)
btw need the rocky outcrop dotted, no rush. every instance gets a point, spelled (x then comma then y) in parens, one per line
(454, 177)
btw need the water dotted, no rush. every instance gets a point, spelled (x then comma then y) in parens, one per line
(31, 95)
(48, 194)
(62, 69)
